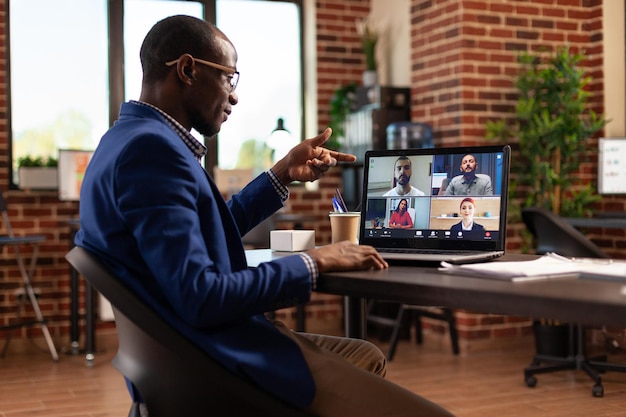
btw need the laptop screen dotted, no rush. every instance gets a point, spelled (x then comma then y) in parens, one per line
(436, 198)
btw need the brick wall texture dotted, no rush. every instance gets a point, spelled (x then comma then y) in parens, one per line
(463, 56)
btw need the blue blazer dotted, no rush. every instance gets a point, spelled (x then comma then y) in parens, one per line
(151, 212)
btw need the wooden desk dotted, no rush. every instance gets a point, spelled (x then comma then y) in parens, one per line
(584, 301)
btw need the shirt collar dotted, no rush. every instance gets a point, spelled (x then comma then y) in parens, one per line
(194, 145)
(470, 180)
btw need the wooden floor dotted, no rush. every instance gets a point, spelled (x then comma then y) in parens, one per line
(476, 384)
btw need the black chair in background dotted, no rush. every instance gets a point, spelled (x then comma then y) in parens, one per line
(553, 234)
(407, 315)
(26, 293)
(174, 376)
(416, 313)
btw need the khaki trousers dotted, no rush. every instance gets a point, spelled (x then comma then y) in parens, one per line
(349, 377)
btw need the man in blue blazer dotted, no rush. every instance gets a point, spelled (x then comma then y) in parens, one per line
(150, 211)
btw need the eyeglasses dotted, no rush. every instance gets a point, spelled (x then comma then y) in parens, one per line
(233, 74)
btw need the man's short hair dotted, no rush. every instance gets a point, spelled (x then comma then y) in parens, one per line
(170, 38)
(403, 158)
(467, 154)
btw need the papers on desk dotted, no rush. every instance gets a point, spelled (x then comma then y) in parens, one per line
(550, 266)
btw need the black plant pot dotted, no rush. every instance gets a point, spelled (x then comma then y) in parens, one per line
(552, 339)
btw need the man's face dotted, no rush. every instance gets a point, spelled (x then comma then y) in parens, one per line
(403, 171)
(212, 99)
(468, 164)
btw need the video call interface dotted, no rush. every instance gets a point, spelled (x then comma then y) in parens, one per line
(447, 197)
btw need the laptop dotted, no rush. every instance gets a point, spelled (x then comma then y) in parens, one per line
(444, 215)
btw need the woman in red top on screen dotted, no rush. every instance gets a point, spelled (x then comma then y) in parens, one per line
(400, 218)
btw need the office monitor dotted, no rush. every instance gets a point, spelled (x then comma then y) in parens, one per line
(72, 166)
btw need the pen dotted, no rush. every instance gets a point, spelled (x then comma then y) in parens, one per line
(337, 206)
(340, 200)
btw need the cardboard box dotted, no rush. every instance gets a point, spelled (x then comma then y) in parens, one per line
(292, 240)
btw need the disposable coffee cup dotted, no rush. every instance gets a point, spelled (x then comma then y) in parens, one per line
(345, 226)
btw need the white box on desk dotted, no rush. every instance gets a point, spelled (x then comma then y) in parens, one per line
(292, 240)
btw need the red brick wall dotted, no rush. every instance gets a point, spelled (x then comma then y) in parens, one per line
(463, 56)
(339, 54)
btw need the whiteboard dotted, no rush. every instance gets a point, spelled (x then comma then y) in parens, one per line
(612, 165)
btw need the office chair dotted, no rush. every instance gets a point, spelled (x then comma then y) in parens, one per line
(26, 292)
(553, 234)
(174, 376)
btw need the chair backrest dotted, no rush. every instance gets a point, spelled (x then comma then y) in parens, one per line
(554, 234)
(174, 376)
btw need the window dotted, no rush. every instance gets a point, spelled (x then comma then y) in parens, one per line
(67, 86)
(139, 17)
(270, 87)
(59, 79)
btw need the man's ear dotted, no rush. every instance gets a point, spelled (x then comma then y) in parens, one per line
(185, 68)
(189, 73)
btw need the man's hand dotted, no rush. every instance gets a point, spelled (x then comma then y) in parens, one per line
(308, 160)
(347, 256)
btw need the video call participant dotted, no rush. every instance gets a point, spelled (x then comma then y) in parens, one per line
(467, 209)
(402, 174)
(401, 218)
(469, 183)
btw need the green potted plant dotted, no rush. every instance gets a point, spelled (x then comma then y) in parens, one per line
(342, 103)
(369, 39)
(552, 125)
(37, 173)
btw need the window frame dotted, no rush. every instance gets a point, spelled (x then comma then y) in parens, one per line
(115, 9)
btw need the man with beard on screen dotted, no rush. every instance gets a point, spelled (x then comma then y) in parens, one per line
(402, 173)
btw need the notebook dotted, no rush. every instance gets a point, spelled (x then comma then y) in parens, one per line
(425, 205)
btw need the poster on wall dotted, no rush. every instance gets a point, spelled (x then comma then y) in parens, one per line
(612, 166)
(72, 166)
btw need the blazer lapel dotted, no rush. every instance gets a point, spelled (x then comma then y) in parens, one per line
(236, 251)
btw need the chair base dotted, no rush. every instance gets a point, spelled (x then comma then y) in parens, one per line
(592, 366)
